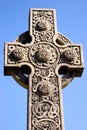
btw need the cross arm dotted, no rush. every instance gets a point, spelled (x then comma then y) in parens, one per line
(71, 58)
(16, 55)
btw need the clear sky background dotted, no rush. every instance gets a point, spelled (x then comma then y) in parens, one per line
(72, 22)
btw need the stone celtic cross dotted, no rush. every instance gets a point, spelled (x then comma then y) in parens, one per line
(44, 62)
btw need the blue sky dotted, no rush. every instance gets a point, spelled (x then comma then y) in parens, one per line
(72, 22)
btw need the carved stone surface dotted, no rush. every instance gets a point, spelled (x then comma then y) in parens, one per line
(18, 53)
(42, 25)
(44, 54)
(37, 66)
(68, 55)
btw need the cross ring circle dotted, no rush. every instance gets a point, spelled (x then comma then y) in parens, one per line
(22, 79)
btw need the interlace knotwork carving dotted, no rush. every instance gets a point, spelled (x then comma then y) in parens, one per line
(45, 100)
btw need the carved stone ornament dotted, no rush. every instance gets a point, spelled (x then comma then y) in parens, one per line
(18, 53)
(44, 54)
(43, 25)
(36, 59)
(68, 55)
